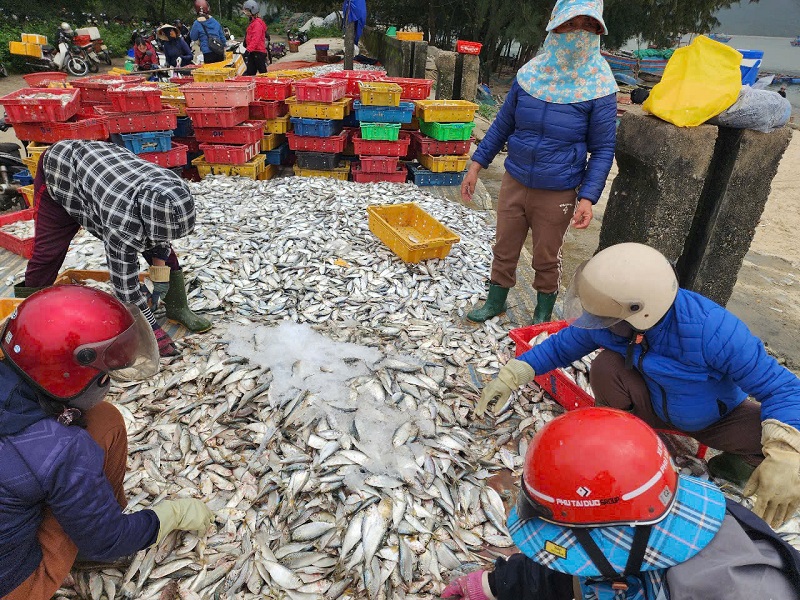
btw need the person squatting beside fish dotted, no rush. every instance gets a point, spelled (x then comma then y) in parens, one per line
(63, 449)
(561, 108)
(602, 514)
(133, 206)
(680, 362)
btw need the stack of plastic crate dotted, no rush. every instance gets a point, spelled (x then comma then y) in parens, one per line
(445, 122)
(380, 144)
(270, 106)
(94, 90)
(317, 110)
(229, 142)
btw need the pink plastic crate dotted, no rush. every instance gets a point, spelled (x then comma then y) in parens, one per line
(268, 88)
(398, 175)
(162, 120)
(219, 95)
(135, 98)
(174, 157)
(38, 105)
(353, 77)
(268, 109)
(230, 154)
(218, 117)
(316, 89)
(248, 132)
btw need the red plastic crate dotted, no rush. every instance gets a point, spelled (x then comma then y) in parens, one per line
(427, 145)
(21, 246)
(135, 97)
(318, 89)
(94, 88)
(248, 132)
(230, 154)
(225, 94)
(378, 164)
(218, 117)
(49, 133)
(399, 175)
(191, 144)
(307, 143)
(268, 88)
(380, 147)
(82, 40)
(412, 89)
(44, 79)
(353, 77)
(174, 157)
(465, 47)
(268, 109)
(181, 80)
(162, 120)
(55, 104)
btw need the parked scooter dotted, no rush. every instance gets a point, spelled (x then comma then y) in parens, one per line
(65, 56)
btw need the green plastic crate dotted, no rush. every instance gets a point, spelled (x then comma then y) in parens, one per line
(389, 132)
(445, 132)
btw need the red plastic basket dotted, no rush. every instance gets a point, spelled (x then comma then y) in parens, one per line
(353, 77)
(181, 80)
(380, 147)
(427, 145)
(218, 117)
(162, 120)
(37, 105)
(412, 89)
(95, 128)
(318, 89)
(135, 98)
(267, 88)
(82, 40)
(230, 154)
(307, 143)
(225, 94)
(174, 157)
(268, 109)
(465, 47)
(45, 79)
(378, 164)
(21, 246)
(94, 88)
(399, 175)
(248, 132)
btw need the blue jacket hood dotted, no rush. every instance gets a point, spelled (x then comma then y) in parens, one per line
(19, 407)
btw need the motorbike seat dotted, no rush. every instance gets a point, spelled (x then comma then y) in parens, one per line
(47, 48)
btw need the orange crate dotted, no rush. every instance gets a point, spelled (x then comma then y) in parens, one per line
(410, 232)
(409, 36)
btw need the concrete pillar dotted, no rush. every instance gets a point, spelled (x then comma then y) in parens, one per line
(445, 81)
(419, 59)
(470, 72)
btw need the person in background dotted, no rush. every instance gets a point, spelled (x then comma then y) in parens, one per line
(255, 39)
(145, 55)
(63, 450)
(204, 27)
(603, 514)
(175, 48)
(782, 91)
(133, 206)
(680, 362)
(183, 30)
(561, 109)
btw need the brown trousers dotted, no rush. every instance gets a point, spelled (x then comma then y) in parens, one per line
(547, 214)
(107, 428)
(738, 432)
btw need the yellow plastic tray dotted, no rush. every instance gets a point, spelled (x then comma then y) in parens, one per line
(444, 164)
(280, 125)
(410, 232)
(269, 172)
(446, 111)
(319, 110)
(250, 169)
(292, 74)
(27, 193)
(270, 141)
(337, 173)
(376, 93)
(409, 36)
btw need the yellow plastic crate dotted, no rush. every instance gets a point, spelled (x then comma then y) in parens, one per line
(319, 110)
(25, 49)
(444, 164)
(213, 75)
(250, 169)
(338, 173)
(31, 164)
(292, 74)
(410, 232)
(27, 193)
(446, 111)
(34, 38)
(280, 125)
(409, 36)
(35, 149)
(271, 141)
(377, 93)
(178, 103)
(269, 172)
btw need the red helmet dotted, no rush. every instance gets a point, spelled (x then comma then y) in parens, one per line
(597, 466)
(62, 338)
(201, 7)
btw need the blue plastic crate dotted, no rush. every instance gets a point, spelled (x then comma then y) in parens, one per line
(316, 127)
(423, 176)
(278, 156)
(149, 141)
(384, 114)
(184, 128)
(751, 63)
(23, 177)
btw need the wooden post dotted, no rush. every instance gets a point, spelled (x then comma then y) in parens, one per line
(349, 36)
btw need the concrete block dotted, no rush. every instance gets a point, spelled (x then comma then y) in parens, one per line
(419, 59)
(446, 68)
(470, 72)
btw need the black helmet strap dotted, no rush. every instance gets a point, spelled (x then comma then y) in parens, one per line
(641, 536)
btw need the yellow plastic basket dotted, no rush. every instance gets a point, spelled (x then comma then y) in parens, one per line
(292, 74)
(338, 173)
(409, 36)
(376, 93)
(446, 111)
(271, 141)
(444, 164)
(27, 193)
(250, 169)
(410, 232)
(31, 164)
(319, 110)
(35, 149)
(34, 38)
(280, 125)
(269, 172)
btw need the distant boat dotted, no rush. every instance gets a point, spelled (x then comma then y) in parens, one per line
(628, 63)
(720, 37)
(626, 78)
(795, 41)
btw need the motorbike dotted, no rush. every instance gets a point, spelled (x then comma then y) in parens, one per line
(94, 49)
(89, 56)
(277, 50)
(64, 57)
(10, 165)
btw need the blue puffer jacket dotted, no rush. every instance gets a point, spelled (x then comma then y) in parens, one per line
(699, 362)
(548, 143)
(199, 32)
(43, 463)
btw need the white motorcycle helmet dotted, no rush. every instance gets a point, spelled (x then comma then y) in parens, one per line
(65, 27)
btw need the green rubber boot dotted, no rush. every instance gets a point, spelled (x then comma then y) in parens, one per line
(178, 305)
(20, 291)
(544, 307)
(730, 467)
(495, 304)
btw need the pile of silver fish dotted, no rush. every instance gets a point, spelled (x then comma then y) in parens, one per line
(20, 229)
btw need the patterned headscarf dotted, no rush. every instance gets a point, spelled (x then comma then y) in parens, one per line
(569, 68)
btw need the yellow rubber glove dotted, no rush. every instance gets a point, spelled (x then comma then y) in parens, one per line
(776, 481)
(512, 376)
(184, 514)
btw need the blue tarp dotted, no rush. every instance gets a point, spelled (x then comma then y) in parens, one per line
(355, 11)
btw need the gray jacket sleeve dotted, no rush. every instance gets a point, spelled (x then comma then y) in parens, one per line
(731, 567)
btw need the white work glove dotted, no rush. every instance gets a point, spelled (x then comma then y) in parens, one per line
(512, 376)
(185, 514)
(776, 481)
(178, 62)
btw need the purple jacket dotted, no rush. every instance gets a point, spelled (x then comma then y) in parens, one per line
(43, 463)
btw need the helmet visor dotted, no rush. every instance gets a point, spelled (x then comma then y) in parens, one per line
(130, 356)
(576, 313)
